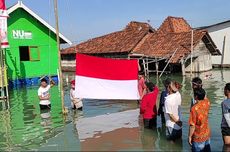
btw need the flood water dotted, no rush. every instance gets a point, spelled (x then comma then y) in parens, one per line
(102, 125)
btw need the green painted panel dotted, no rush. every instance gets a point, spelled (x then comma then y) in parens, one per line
(24, 30)
(34, 54)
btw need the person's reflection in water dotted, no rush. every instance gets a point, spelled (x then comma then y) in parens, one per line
(76, 115)
(148, 139)
(165, 144)
(148, 136)
(46, 119)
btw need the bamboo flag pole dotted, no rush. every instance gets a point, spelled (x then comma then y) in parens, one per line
(191, 65)
(59, 56)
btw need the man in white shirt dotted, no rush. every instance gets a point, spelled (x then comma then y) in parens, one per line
(173, 113)
(44, 95)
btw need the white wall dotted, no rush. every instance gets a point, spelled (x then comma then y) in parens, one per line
(203, 61)
(217, 34)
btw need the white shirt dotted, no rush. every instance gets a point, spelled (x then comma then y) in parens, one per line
(72, 94)
(75, 101)
(44, 92)
(173, 106)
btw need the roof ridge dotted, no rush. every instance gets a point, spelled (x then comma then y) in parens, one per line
(37, 17)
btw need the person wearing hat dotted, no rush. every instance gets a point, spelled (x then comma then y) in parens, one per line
(173, 113)
(76, 103)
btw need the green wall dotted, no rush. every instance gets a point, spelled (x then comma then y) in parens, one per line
(41, 37)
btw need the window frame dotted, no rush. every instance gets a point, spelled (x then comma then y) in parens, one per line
(30, 56)
(38, 52)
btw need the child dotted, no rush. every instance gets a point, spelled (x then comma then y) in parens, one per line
(225, 124)
(199, 131)
(148, 106)
(75, 102)
(164, 94)
(43, 93)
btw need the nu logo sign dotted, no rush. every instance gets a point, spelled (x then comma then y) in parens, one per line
(21, 34)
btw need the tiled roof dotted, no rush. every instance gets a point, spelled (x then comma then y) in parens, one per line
(174, 25)
(140, 38)
(117, 42)
(163, 45)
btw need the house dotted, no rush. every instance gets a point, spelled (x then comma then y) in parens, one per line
(33, 48)
(116, 44)
(171, 42)
(174, 37)
(220, 34)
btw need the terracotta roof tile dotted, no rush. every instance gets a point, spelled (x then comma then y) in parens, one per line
(174, 25)
(121, 41)
(163, 45)
(141, 38)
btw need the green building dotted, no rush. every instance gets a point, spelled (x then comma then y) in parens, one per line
(33, 48)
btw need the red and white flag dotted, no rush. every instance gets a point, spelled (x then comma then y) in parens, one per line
(3, 11)
(105, 78)
(3, 25)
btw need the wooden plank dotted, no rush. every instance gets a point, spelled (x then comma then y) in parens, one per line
(223, 52)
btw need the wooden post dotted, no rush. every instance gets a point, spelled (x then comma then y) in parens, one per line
(183, 66)
(156, 66)
(223, 51)
(144, 67)
(168, 62)
(191, 66)
(147, 68)
(59, 55)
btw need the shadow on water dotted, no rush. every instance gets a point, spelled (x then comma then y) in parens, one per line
(23, 127)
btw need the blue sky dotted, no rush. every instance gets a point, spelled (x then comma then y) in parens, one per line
(84, 19)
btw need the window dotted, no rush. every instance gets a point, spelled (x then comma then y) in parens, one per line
(29, 53)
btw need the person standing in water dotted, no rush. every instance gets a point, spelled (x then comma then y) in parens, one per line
(141, 85)
(199, 130)
(164, 94)
(225, 124)
(76, 103)
(196, 84)
(172, 110)
(148, 106)
(44, 95)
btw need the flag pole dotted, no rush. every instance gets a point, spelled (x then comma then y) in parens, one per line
(59, 56)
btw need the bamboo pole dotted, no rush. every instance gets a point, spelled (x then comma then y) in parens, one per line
(156, 66)
(168, 63)
(59, 55)
(223, 52)
(191, 65)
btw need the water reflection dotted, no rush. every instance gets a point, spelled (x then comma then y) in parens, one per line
(23, 127)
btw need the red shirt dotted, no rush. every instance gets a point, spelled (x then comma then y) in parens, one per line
(141, 86)
(148, 104)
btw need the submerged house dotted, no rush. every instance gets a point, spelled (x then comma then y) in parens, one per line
(33, 48)
(170, 43)
(220, 33)
(117, 44)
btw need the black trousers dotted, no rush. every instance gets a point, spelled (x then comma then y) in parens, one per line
(74, 107)
(45, 107)
(150, 123)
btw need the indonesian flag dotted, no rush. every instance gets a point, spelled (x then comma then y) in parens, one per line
(3, 25)
(3, 11)
(105, 78)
